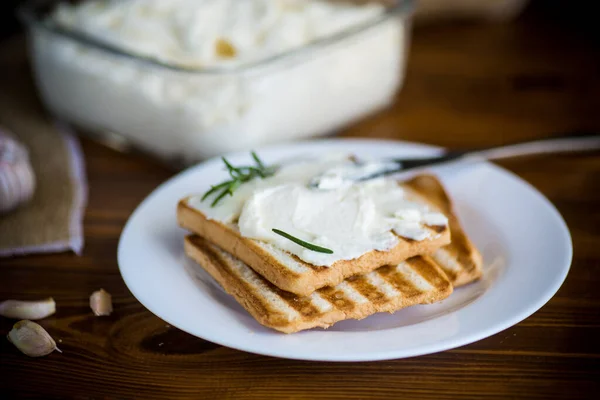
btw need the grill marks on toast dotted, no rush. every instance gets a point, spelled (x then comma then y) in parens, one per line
(460, 260)
(415, 281)
(448, 263)
(336, 296)
(400, 282)
(461, 267)
(303, 305)
(250, 282)
(372, 287)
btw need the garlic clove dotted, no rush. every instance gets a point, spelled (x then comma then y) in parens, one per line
(17, 178)
(101, 303)
(31, 310)
(32, 339)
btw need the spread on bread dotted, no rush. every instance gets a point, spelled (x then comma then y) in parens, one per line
(349, 219)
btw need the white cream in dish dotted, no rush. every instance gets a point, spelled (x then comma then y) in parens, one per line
(350, 220)
(191, 115)
(205, 33)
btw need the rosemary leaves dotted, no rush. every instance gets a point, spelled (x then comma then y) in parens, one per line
(302, 243)
(238, 176)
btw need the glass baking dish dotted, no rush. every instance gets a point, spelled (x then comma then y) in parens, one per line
(182, 115)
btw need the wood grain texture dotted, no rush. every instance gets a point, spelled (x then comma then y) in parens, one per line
(467, 85)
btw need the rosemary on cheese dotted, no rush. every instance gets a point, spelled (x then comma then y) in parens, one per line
(238, 176)
(302, 243)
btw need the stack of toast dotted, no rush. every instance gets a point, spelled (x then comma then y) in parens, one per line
(287, 294)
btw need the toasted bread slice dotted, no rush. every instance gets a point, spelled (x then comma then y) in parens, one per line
(287, 271)
(460, 260)
(415, 281)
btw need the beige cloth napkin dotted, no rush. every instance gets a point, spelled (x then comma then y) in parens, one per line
(52, 221)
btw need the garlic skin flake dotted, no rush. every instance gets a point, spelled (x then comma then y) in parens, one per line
(101, 303)
(32, 339)
(31, 310)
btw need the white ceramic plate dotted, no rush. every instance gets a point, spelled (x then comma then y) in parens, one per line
(525, 243)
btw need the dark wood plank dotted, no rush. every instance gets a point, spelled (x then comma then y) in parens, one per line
(467, 85)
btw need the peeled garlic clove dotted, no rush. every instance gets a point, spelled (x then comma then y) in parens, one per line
(31, 310)
(101, 303)
(32, 339)
(17, 179)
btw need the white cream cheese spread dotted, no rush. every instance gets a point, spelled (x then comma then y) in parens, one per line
(256, 77)
(350, 220)
(201, 33)
(345, 175)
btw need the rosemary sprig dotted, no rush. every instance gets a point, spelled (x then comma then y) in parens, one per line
(238, 176)
(214, 189)
(257, 160)
(302, 243)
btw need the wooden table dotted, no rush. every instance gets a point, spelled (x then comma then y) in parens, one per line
(467, 85)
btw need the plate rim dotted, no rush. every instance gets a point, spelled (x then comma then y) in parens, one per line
(389, 354)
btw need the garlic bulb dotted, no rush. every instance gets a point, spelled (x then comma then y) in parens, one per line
(32, 310)
(17, 179)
